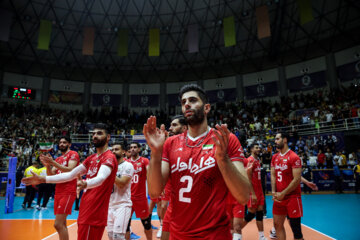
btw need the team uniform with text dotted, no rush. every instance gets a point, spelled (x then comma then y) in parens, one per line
(65, 193)
(120, 201)
(256, 182)
(198, 188)
(291, 205)
(95, 201)
(138, 188)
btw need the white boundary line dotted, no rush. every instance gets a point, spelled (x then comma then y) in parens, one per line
(57, 233)
(318, 231)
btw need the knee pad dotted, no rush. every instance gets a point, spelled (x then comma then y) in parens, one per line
(249, 216)
(110, 235)
(295, 224)
(118, 236)
(146, 223)
(259, 215)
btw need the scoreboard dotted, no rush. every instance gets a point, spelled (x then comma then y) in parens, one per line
(21, 93)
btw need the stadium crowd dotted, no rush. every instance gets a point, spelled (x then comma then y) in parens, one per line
(23, 125)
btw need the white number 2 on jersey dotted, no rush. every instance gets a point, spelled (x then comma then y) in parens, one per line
(186, 189)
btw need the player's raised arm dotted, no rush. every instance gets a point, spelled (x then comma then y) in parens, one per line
(233, 173)
(158, 172)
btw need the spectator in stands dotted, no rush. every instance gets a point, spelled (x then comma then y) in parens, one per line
(308, 175)
(321, 159)
(342, 159)
(357, 176)
(329, 158)
(351, 160)
(338, 178)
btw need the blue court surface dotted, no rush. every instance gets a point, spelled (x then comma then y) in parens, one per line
(335, 215)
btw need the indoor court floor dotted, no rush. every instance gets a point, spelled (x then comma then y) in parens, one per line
(326, 216)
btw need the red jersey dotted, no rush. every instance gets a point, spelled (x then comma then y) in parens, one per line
(95, 201)
(138, 182)
(283, 165)
(66, 188)
(256, 174)
(198, 188)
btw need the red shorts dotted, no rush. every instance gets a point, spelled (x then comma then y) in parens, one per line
(140, 207)
(235, 210)
(88, 232)
(291, 207)
(63, 204)
(260, 201)
(167, 219)
(218, 233)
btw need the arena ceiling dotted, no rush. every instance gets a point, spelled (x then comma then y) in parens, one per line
(336, 26)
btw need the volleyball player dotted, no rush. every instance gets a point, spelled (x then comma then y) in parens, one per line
(285, 186)
(100, 169)
(120, 199)
(65, 193)
(138, 188)
(202, 164)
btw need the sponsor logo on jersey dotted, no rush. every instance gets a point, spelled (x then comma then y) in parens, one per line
(92, 171)
(281, 167)
(179, 149)
(138, 170)
(194, 168)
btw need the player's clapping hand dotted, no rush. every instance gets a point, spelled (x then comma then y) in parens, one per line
(81, 185)
(155, 137)
(46, 159)
(221, 140)
(33, 180)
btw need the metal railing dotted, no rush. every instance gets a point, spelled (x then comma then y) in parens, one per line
(323, 127)
(302, 129)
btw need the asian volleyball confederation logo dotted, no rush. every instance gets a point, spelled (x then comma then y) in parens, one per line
(220, 94)
(144, 100)
(324, 175)
(306, 80)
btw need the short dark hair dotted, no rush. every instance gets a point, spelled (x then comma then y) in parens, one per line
(284, 135)
(121, 145)
(194, 87)
(137, 144)
(66, 137)
(181, 118)
(102, 126)
(253, 145)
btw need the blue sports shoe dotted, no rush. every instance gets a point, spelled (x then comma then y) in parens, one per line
(153, 227)
(134, 236)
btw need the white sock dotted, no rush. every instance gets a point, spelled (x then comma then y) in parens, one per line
(237, 236)
(261, 234)
(273, 229)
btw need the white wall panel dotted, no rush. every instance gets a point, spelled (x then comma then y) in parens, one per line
(311, 66)
(263, 77)
(67, 86)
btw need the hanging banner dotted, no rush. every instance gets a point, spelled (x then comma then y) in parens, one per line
(305, 11)
(144, 100)
(123, 38)
(307, 82)
(44, 35)
(263, 22)
(154, 42)
(222, 95)
(65, 97)
(229, 31)
(88, 42)
(5, 24)
(349, 72)
(261, 90)
(106, 100)
(193, 38)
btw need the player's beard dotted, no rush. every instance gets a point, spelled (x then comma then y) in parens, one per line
(280, 145)
(63, 149)
(99, 143)
(197, 118)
